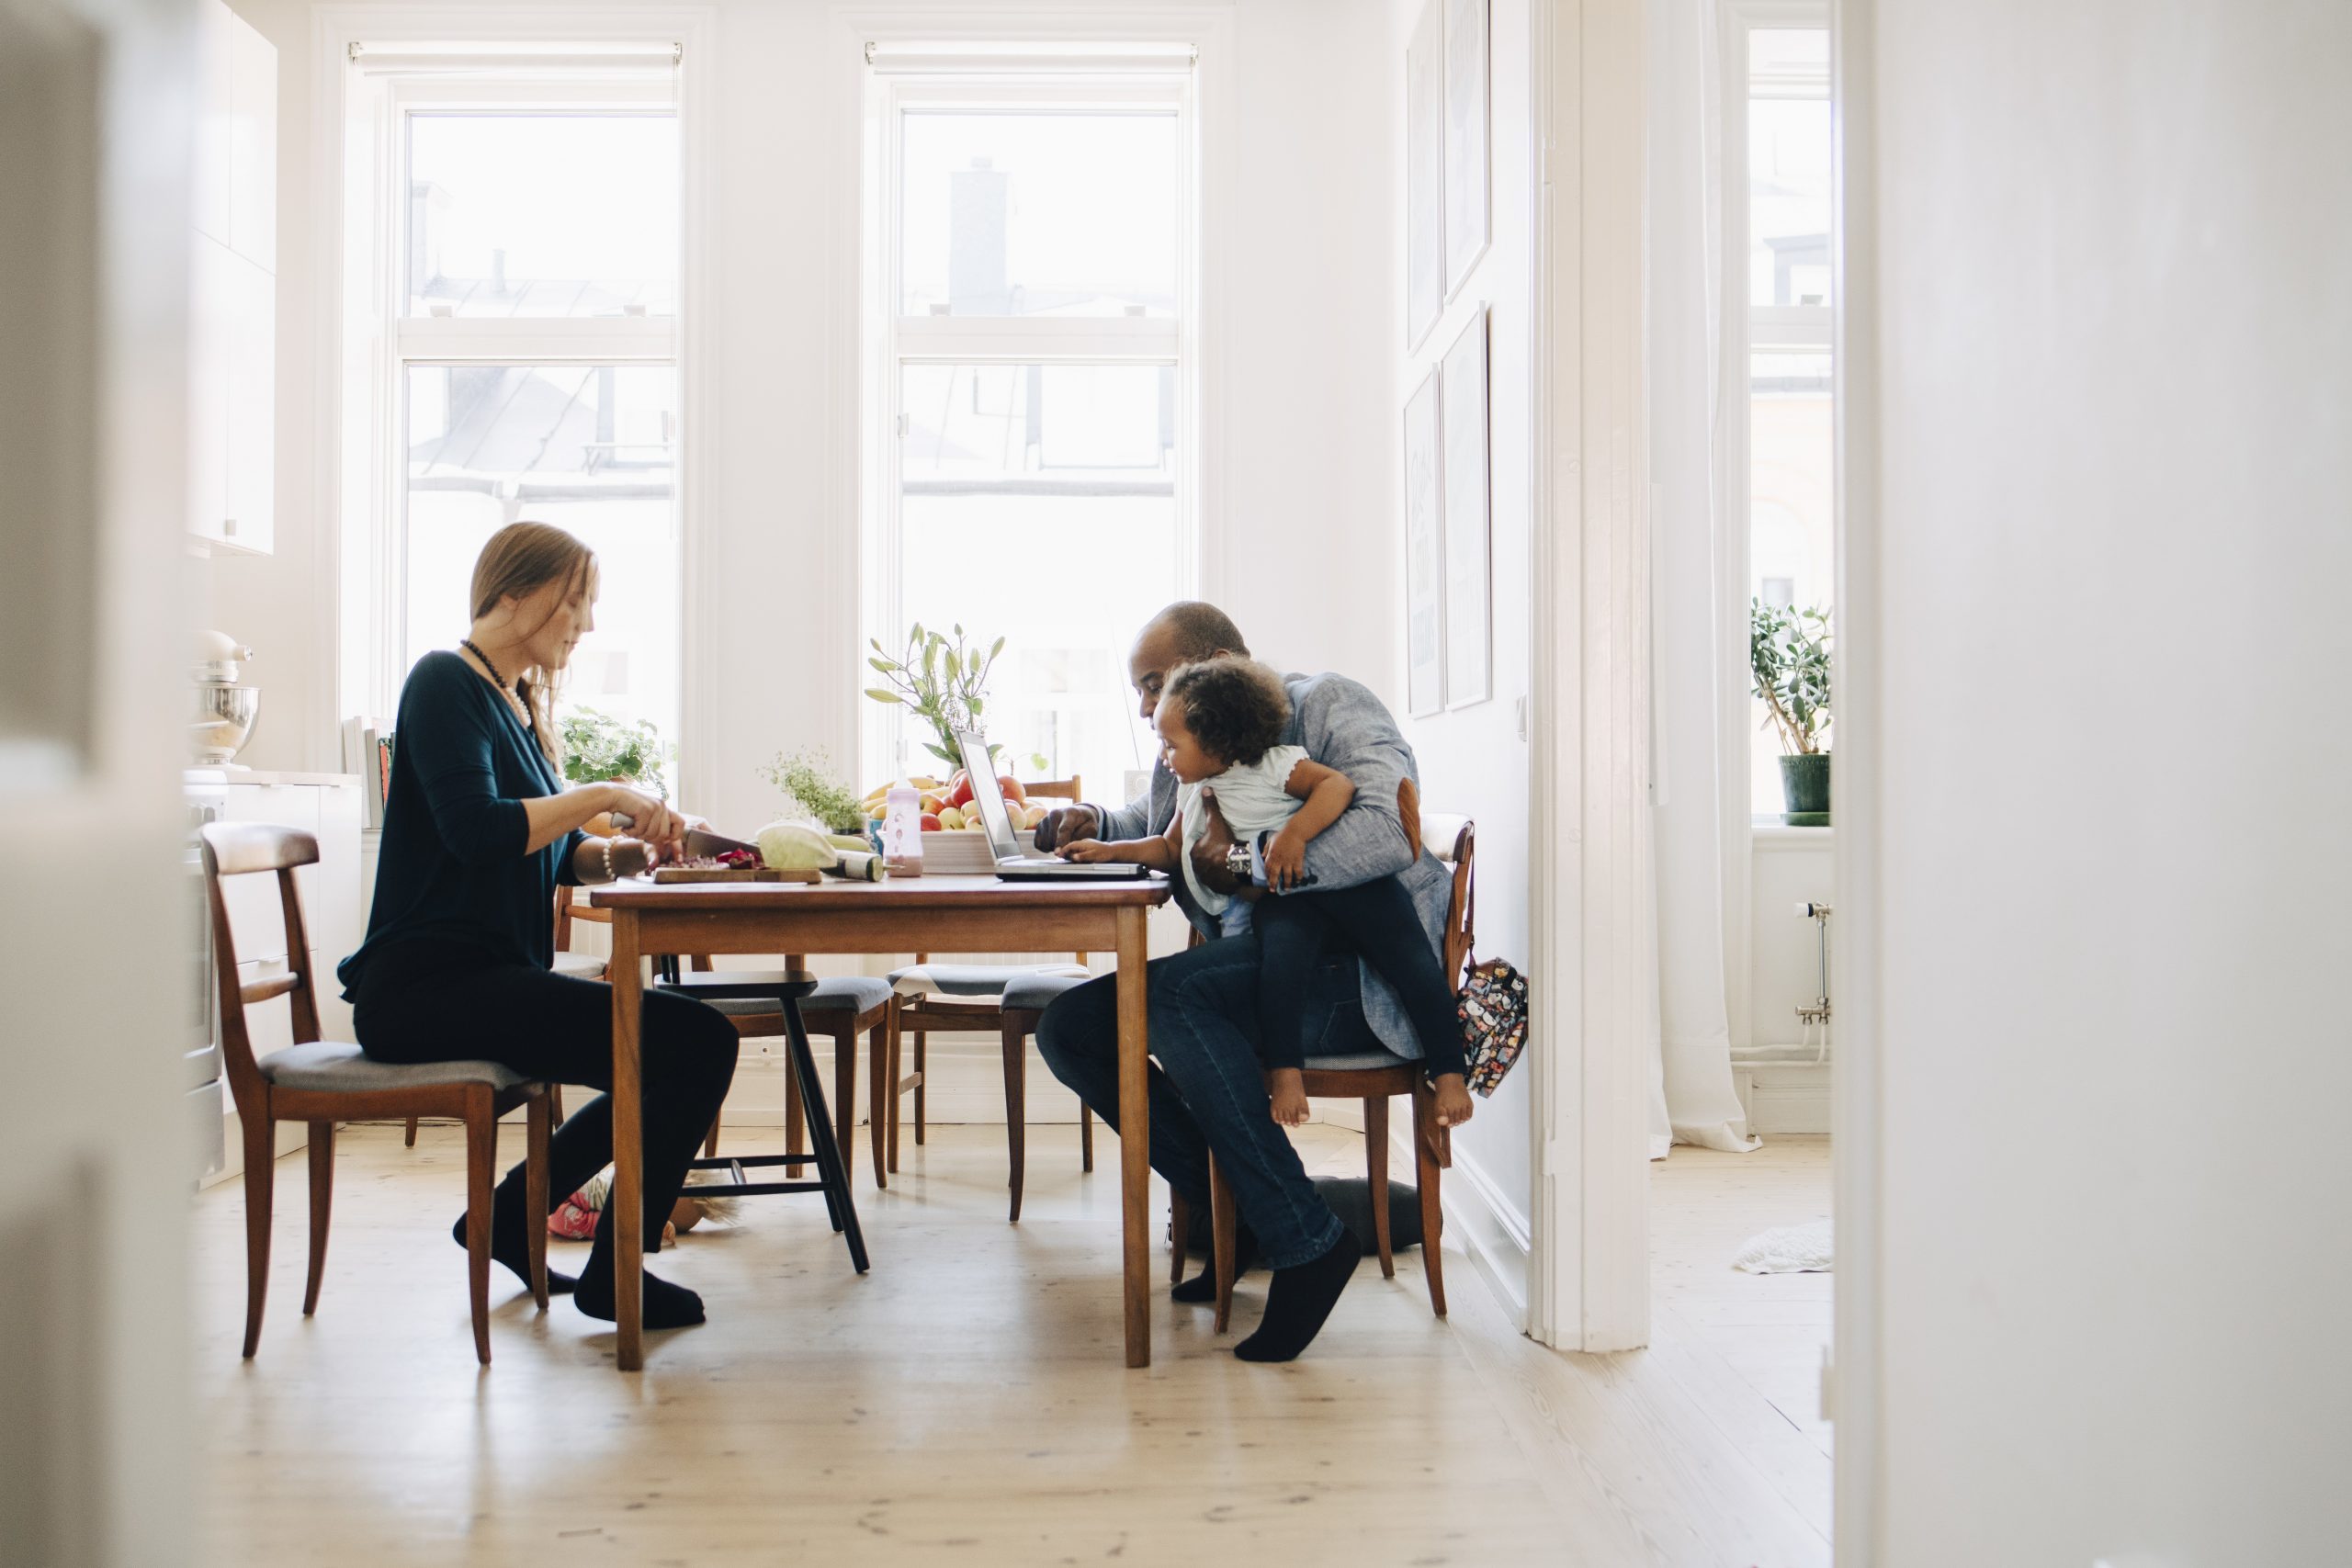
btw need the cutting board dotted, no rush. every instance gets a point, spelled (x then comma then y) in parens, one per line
(668, 873)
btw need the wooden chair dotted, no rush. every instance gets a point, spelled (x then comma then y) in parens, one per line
(844, 1007)
(970, 998)
(1374, 1077)
(579, 965)
(320, 1081)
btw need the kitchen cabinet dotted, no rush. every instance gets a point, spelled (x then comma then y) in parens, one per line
(232, 341)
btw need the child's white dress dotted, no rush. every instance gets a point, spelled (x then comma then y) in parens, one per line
(1251, 797)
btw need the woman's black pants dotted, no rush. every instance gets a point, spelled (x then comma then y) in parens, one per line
(449, 1002)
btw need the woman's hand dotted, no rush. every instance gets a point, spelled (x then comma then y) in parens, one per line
(662, 830)
(1286, 860)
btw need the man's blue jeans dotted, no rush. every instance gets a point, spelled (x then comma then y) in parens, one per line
(1208, 1089)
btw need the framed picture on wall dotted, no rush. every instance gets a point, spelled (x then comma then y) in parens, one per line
(1424, 553)
(1424, 176)
(1469, 594)
(1465, 138)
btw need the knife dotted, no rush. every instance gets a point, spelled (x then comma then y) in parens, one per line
(700, 842)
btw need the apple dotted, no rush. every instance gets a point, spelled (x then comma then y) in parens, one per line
(929, 822)
(950, 819)
(962, 793)
(1012, 790)
(932, 801)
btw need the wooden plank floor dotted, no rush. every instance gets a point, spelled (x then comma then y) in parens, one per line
(965, 1401)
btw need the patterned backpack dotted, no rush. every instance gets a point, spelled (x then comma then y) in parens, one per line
(1493, 1011)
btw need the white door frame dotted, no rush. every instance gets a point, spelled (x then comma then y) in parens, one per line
(1595, 986)
(1853, 1387)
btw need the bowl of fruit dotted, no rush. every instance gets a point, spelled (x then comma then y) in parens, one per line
(955, 841)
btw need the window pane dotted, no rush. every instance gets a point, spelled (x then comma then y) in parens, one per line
(1036, 214)
(1038, 503)
(589, 449)
(543, 215)
(1792, 555)
(1789, 166)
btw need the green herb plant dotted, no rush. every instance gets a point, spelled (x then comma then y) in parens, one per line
(598, 747)
(1788, 658)
(812, 787)
(944, 680)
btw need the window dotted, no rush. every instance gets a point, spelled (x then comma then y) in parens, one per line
(527, 270)
(1030, 400)
(1781, 218)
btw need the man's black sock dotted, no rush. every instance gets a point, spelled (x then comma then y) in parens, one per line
(1202, 1287)
(509, 1246)
(666, 1305)
(1298, 1302)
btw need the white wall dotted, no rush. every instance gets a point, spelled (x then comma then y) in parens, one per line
(1474, 759)
(2112, 542)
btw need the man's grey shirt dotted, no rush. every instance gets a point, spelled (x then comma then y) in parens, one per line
(1342, 726)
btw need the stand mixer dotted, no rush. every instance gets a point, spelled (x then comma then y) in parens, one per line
(225, 711)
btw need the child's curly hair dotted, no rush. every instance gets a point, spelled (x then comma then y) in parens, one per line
(1235, 707)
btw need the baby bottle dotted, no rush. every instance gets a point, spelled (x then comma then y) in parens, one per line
(902, 831)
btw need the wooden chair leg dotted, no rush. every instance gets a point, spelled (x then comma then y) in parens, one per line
(1016, 1100)
(1225, 1223)
(710, 1139)
(410, 1140)
(537, 1116)
(1376, 1166)
(260, 1150)
(844, 1033)
(795, 1124)
(879, 1096)
(322, 1203)
(1179, 1232)
(481, 1159)
(1085, 1137)
(1426, 1133)
(555, 1104)
(892, 1079)
(922, 1078)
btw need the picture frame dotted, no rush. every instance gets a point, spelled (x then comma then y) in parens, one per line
(1467, 153)
(1424, 551)
(1464, 481)
(1425, 217)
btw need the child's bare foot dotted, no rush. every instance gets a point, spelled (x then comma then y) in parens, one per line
(1453, 1103)
(1290, 1097)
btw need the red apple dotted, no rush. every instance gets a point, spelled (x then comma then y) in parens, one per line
(962, 793)
(1012, 790)
(931, 821)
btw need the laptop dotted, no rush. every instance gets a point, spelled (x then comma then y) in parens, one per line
(1011, 864)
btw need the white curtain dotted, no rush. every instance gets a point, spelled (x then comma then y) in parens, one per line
(1700, 807)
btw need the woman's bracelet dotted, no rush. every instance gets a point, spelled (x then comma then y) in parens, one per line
(610, 874)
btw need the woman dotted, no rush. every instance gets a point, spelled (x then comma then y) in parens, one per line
(479, 831)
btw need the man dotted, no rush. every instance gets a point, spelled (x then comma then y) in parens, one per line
(1207, 1088)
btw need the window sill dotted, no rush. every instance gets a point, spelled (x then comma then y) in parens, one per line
(1777, 838)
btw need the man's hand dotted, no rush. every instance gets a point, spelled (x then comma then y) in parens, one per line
(1090, 852)
(1068, 824)
(1208, 855)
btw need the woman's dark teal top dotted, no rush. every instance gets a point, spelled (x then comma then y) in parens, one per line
(450, 867)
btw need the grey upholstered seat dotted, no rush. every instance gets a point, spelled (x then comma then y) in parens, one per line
(1031, 993)
(1357, 1062)
(971, 982)
(834, 994)
(580, 965)
(334, 1067)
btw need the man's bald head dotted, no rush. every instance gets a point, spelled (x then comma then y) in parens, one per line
(1185, 632)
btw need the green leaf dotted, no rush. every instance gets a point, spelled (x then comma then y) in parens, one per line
(884, 665)
(974, 705)
(943, 755)
(880, 695)
(996, 648)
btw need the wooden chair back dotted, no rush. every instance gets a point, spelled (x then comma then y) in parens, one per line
(244, 848)
(1454, 839)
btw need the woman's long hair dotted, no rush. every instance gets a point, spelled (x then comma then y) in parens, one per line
(520, 560)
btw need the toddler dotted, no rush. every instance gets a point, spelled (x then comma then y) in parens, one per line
(1219, 721)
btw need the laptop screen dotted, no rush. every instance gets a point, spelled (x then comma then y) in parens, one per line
(986, 795)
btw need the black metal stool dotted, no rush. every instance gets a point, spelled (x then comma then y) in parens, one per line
(785, 986)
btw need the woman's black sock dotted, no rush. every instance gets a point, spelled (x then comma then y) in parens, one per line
(508, 1245)
(1299, 1299)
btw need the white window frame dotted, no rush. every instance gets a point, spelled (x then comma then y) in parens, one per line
(372, 64)
(944, 79)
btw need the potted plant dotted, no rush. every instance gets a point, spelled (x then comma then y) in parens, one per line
(600, 749)
(813, 789)
(945, 681)
(1788, 657)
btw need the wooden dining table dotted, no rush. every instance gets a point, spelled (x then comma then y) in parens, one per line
(961, 914)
